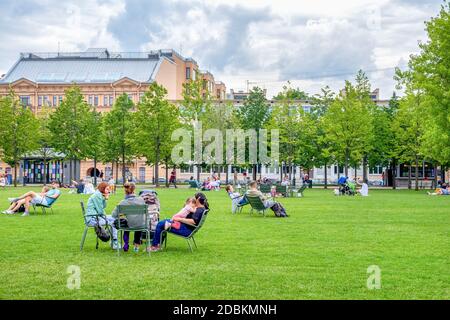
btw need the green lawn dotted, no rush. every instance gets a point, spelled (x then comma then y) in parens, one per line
(322, 251)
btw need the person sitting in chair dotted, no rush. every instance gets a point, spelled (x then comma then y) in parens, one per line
(187, 225)
(236, 198)
(45, 198)
(254, 192)
(130, 199)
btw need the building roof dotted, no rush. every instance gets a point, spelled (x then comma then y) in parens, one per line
(91, 66)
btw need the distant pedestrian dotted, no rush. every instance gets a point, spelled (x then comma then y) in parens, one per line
(173, 178)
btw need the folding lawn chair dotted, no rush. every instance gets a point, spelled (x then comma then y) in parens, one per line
(190, 236)
(257, 205)
(137, 218)
(86, 220)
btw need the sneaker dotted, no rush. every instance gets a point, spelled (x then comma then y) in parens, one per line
(25, 214)
(11, 200)
(115, 245)
(153, 248)
(8, 212)
(125, 247)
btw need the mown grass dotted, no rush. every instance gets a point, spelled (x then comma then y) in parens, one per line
(322, 251)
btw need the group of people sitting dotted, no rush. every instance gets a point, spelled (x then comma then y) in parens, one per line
(348, 187)
(182, 223)
(46, 197)
(441, 190)
(212, 183)
(240, 200)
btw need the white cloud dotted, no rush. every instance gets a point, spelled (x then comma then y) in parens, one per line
(258, 40)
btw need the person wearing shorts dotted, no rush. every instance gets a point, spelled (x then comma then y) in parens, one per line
(46, 197)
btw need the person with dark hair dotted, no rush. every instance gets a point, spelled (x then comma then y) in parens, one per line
(130, 199)
(173, 178)
(95, 211)
(187, 225)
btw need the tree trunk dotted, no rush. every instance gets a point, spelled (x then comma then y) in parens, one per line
(70, 172)
(443, 169)
(45, 171)
(123, 166)
(227, 174)
(281, 172)
(75, 169)
(117, 172)
(326, 177)
(394, 174)
(95, 171)
(15, 173)
(167, 174)
(356, 173)
(435, 179)
(255, 169)
(365, 169)
(198, 172)
(157, 166)
(409, 177)
(417, 174)
(347, 152)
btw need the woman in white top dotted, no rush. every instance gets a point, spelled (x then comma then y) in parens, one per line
(89, 187)
(364, 191)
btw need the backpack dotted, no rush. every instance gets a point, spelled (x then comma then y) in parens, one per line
(102, 234)
(279, 210)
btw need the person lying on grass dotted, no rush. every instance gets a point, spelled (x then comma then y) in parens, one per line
(189, 207)
(187, 225)
(442, 191)
(46, 198)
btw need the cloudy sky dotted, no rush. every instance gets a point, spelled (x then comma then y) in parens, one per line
(309, 43)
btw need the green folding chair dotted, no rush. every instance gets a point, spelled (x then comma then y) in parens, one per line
(265, 188)
(257, 205)
(283, 190)
(86, 219)
(137, 219)
(44, 207)
(188, 238)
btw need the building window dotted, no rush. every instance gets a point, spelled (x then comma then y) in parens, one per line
(55, 101)
(188, 73)
(141, 96)
(40, 101)
(91, 100)
(95, 100)
(111, 100)
(142, 174)
(205, 83)
(187, 169)
(46, 101)
(25, 101)
(105, 101)
(376, 170)
(60, 99)
(307, 109)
